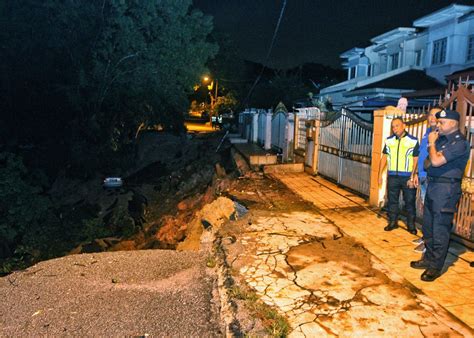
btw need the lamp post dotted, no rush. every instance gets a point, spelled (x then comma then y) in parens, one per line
(206, 79)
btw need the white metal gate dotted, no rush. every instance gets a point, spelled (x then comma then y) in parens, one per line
(279, 127)
(345, 148)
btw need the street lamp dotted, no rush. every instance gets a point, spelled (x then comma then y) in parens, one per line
(206, 79)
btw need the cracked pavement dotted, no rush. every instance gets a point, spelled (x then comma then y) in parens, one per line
(326, 284)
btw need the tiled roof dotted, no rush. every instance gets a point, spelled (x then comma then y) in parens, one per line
(411, 79)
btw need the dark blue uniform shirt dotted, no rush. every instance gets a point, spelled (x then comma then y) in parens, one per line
(456, 151)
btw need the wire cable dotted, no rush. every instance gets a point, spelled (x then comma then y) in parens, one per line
(282, 11)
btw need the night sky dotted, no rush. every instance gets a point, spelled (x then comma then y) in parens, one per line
(311, 30)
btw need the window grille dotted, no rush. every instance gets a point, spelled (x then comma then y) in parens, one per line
(439, 51)
(470, 48)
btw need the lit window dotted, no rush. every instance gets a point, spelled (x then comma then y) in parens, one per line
(470, 48)
(439, 51)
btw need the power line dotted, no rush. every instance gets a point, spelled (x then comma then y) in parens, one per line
(282, 11)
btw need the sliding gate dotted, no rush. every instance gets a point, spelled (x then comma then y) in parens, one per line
(345, 148)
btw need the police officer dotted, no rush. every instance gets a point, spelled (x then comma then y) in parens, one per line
(401, 152)
(448, 153)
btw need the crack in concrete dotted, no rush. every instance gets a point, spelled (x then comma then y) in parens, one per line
(293, 270)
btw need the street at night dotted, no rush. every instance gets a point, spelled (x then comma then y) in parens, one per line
(209, 168)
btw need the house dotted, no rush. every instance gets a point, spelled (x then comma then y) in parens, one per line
(406, 61)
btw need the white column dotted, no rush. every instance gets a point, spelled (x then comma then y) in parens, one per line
(254, 127)
(268, 130)
(290, 136)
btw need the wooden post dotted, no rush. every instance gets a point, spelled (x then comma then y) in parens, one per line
(461, 107)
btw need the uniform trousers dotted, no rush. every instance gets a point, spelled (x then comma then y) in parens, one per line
(438, 212)
(396, 184)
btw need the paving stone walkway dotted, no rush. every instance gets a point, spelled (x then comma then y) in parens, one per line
(327, 284)
(453, 290)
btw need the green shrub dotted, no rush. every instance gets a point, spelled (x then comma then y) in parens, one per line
(24, 209)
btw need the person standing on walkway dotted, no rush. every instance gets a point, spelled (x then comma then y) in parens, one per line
(448, 152)
(420, 179)
(401, 152)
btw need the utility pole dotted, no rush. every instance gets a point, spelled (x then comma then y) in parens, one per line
(214, 95)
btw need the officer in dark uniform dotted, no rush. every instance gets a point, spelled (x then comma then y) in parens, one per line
(448, 154)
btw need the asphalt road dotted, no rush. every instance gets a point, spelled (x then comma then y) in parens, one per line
(128, 293)
(199, 126)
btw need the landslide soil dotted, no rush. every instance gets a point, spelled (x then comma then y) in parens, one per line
(173, 178)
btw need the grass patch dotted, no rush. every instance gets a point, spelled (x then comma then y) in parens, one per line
(211, 262)
(275, 324)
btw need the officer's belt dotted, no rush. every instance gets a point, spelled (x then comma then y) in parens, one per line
(443, 179)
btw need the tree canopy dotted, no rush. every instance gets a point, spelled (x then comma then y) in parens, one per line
(81, 76)
(77, 80)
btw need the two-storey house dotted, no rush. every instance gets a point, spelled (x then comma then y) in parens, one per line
(406, 60)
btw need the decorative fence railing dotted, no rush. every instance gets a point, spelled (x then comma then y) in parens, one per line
(300, 139)
(462, 100)
(345, 146)
(302, 117)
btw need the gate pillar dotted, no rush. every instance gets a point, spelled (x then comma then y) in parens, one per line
(312, 146)
(382, 121)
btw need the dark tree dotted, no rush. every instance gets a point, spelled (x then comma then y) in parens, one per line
(79, 77)
(77, 80)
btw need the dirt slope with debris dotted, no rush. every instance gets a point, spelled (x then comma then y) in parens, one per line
(102, 290)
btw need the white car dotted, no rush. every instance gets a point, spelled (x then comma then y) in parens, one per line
(112, 182)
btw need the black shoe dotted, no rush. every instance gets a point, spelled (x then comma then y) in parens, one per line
(391, 226)
(421, 264)
(430, 275)
(412, 231)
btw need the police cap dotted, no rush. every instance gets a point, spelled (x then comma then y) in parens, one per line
(448, 114)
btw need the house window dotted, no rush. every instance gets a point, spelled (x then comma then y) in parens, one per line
(394, 61)
(439, 51)
(470, 48)
(418, 55)
(352, 72)
(369, 70)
